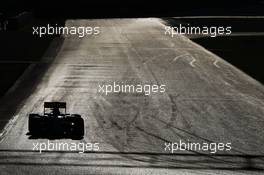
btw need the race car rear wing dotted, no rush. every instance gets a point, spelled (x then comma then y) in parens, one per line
(55, 105)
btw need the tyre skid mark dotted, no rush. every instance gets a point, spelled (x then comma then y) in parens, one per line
(186, 56)
(215, 64)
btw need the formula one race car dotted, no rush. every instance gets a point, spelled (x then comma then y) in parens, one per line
(56, 123)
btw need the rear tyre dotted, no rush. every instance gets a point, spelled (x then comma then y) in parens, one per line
(78, 127)
(33, 124)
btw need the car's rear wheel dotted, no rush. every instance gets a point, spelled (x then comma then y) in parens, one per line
(33, 123)
(77, 128)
